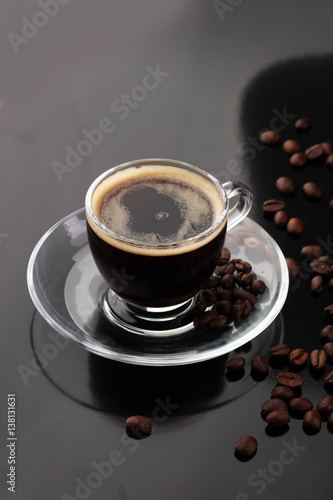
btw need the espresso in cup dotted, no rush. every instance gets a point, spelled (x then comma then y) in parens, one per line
(156, 229)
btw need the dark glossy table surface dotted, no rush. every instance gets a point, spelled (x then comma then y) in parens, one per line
(223, 71)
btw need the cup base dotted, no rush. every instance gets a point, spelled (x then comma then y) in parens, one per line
(152, 322)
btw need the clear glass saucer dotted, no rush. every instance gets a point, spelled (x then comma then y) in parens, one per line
(68, 292)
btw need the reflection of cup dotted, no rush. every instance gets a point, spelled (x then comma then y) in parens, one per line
(156, 228)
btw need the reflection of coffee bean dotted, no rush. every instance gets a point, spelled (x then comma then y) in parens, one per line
(270, 137)
(246, 447)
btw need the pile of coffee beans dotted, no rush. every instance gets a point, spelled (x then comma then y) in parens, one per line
(229, 295)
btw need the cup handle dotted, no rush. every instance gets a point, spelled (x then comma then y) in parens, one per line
(242, 208)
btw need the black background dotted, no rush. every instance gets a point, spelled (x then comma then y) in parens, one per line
(228, 73)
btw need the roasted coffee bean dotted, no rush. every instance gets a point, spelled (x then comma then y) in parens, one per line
(235, 364)
(272, 206)
(292, 267)
(314, 152)
(246, 447)
(290, 146)
(320, 267)
(298, 357)
(219, 322)
(329, 378)
(260, 365)
(224, 294)
(224, 257)
(212, 282)
(330, 203)
(311, 252)
(316, 285)
(303, 124)
(312, 191)
(312, 421)
(295, 226)
(298, 160)
(280, 351)
(326, 258)
(281, 392)
(244, 279)
(270, 137)
(299, 406)
(138, 427)
(209, 297)
(330, 421)
(228, 268)
(281, 218)
(245, 295)
(329, 161)
(329, 310)
(247, 309)
(289, 379)
(328, 349)
(327, 147)
(275, 404)
(200, 306)
(278, 418)
(325, 406)
(326, 335)
(285, 185)
(224, 307)
(330, 284)
(257, 287)
(202, 320)
(243, 266)
(238, 308)
(318, 359)
(228, 281)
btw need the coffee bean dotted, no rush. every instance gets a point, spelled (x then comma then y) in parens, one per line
(330, 203)
(260, 365)
(325, 406)
(285, 185)
(219, 322)
(238, 308)
(329, 310)
(253, 242)
(289, 379)
(224, 307)
(224, 294)
(245, 295)
(316, 285)
(200, 306)
(295, 226)
(290, 146)
(138, 427)
(299, 406)
(246, 447)
(281, 218)
(328, 349)
(329, 161)
(318, 359)
(292, 267)
(273, 405)
(298, 160)
(244, 279)
(278, 418)
(228, 268)
(257, 287)
(270, 137)
(224, 257)
(228, 281)
(320, 267)
(314, 152)
(330, 284)
(327, 258)
(212, 282)
(247, 309)
(327, 147)
(329, 378)
(312, 190)
(326, 335)
(235, 364)
(209, 297)
(280, 351)
(303, 124)
(243, 266)
(281, 392)
(298, 357)
(272, 206)
(312, 252)
(202, 320)
(312, 422)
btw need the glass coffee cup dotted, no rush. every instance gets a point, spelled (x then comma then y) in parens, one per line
(156, 228)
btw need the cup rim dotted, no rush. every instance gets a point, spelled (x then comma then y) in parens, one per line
(155, 161)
